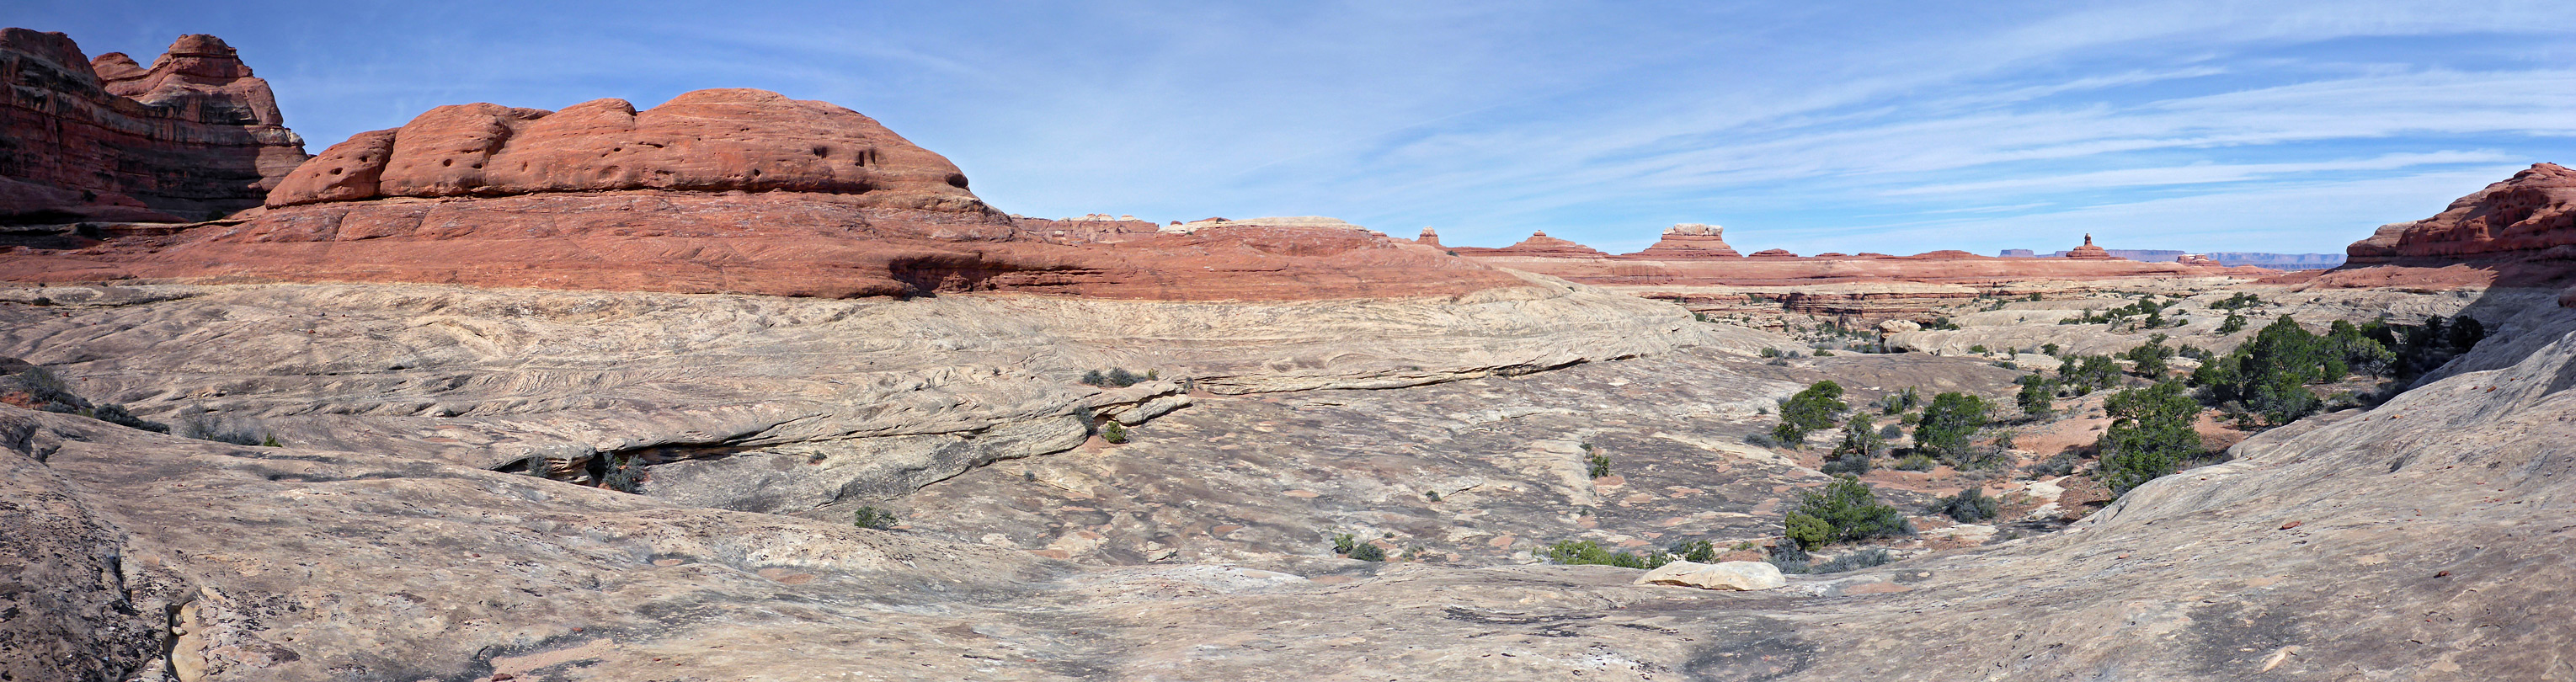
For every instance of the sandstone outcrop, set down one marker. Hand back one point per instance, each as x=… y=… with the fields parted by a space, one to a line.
x=2089 y=252
x=1690 y=240
x=192 y=137
x=1428 y=238
x=707 y=140
x=2523 y=216
x=727 y=191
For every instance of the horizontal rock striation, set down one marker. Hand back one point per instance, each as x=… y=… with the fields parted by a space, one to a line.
x=192 y=137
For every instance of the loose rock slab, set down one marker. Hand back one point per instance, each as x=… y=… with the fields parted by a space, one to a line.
x=1742 y=576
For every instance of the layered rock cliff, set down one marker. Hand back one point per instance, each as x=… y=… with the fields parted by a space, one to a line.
x=192 y=137
x=2530 y=213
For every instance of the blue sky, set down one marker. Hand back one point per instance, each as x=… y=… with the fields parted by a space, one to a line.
x=1895 y=127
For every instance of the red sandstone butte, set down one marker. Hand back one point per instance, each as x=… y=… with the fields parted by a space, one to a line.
x=2090 y=252
x=192 y=137
x=2518 y=232
x=725 y=191
x=2533 y=211
x=1690 y=240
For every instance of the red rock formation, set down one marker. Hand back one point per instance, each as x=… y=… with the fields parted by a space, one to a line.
x=710 y=140
x=1690 y=240
x=1428 y=238
x=1773 y=253
x=731 y=191
x=2090 y=252
x=194 y=136
x=2533 y=211
x=1539 y=245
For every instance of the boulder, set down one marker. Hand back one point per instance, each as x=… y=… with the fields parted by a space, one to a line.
x=1743 y=576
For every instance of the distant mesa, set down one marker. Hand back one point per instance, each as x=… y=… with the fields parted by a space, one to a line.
x=1773 y=253
x=194 y=136
x=1691 y=240
x=1944 y=254
x=1539 y=245
x=1428 y=238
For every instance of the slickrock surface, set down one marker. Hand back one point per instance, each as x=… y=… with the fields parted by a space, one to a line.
x=192 y=137
x=1477 y=472
x=2418 y=540
x=798 y=401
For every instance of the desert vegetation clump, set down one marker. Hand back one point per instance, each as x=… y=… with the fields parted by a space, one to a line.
x=2150 y=435
x=1113 y=433
x=1595 y=463
x=1843 y=510
x=1969 y=506
x=873 y=518
x=1118 y=378
x=2268 y=377
x=1585 y=552
x=1860 y=443
x=1809 y=411
x=2037 y=397
x=1948 y=424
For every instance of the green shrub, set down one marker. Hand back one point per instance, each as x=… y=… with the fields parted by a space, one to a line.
x=2150 y=435
x=2150 y=359
x=1598 y=465
x=2037 y=397
x=1572 y=553
x=1859 y=443
x=1843 y=510
x=1979 y=349
x=1915 y=463
x=1113 y=432
x=1368 y=552
x=1810 y=410
x=872 y=517
x=1948 y=424
x=2232 y=324
x=1770 y=352
x=1343 y=543
x=1969 y=506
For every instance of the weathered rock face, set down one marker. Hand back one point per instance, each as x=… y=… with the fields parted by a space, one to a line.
x=2522 y=216
x=727 y=191
x=194 y=136
x=707 y=140
x=1691 y=240
x=1739 y=576
x=1428 y=238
